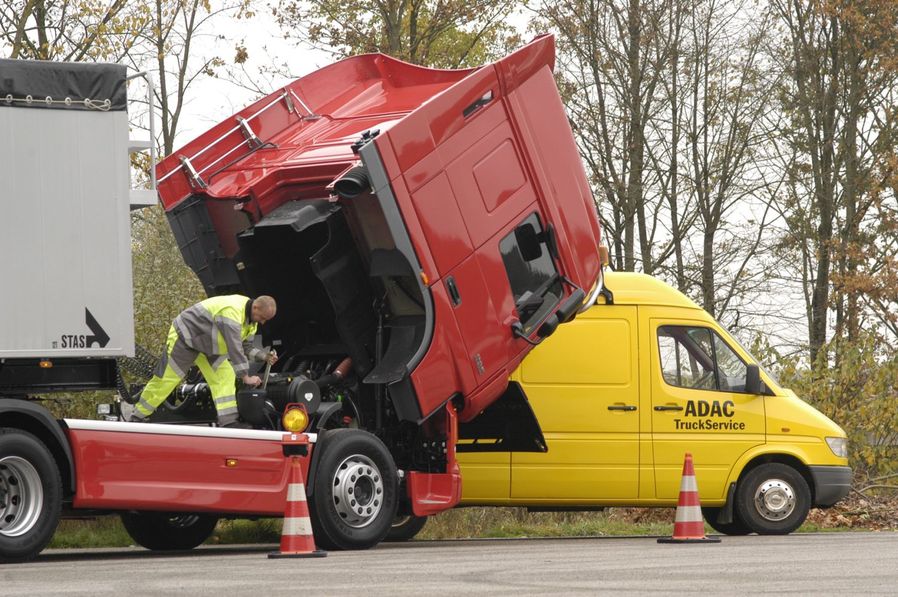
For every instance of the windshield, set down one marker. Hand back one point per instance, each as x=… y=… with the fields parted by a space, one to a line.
x=763 y=369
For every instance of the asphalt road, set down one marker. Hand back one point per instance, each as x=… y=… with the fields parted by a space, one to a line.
x=840 y=563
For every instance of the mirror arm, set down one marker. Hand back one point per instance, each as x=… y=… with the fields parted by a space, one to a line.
x=517 y=330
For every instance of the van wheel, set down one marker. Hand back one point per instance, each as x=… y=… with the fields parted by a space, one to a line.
x=354 y=500
x=30 y=495
x=164 y=531
x=405 y=527
x=773 y=499
x=737 y=527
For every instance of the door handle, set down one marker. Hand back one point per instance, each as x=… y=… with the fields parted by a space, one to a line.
x=453 y=291
x=668 y=407
x=626 y=407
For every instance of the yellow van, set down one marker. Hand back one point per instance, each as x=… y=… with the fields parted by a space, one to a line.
x=624 y=391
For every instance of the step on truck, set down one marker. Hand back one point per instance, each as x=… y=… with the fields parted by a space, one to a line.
x=420 y=229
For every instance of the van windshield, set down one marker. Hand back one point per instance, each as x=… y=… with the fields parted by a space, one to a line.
x=766 y=371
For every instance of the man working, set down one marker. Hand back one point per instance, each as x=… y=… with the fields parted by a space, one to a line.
x=216 y=335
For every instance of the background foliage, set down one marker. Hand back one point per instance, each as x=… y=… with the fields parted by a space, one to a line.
x=742 y=150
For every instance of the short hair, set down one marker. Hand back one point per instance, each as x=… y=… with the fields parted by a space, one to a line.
x=266 y=304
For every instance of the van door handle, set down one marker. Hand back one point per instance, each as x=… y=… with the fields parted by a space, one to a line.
x=626 y=407
x=668 y=407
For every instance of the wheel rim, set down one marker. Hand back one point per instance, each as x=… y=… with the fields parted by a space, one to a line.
x=182 y=521
x=398 y=521
x=775 y=500
x=21 y=496
x=358 y=491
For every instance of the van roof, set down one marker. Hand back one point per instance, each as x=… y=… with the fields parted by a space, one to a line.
x=639 y=289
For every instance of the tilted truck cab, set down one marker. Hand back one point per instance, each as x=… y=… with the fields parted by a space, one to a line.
x=624 y=391
x=430 y=226
x=421 y=231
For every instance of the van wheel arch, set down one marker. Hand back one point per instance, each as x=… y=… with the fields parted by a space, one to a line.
x=790 y=486
x=786 y=459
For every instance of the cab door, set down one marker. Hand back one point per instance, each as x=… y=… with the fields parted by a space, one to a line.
x=583 y=385
x=699 y=406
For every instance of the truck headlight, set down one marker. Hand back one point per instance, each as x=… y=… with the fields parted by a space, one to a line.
x=839 y=446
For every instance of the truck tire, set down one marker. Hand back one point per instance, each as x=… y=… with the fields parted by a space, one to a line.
x=773 y=499
x=405 y=527
x=166 y=531
x=30 y=495
x=735 y=528
x=355 y=490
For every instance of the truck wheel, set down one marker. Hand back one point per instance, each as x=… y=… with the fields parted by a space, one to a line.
x=773 y=499
x=164 y=531
x=30 y=495
x=737 y=527
x=355 y=497
x=405 y=527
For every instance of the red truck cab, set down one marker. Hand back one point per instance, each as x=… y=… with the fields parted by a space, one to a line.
x=445 y=213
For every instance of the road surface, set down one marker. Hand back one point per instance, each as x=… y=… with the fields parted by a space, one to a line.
x=836 y=563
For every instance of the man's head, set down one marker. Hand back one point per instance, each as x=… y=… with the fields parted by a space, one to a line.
x=263 y=309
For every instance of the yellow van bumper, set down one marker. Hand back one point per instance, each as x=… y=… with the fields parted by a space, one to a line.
x=831 y=484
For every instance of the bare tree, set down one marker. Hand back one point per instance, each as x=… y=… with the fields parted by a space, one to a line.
x=66 y=30
x=841 y=64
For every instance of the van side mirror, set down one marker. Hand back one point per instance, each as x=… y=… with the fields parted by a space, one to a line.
x=528 y=241
x=753 y=379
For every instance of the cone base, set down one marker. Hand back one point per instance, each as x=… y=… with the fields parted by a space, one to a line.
x=318 y=553
x=689 y=540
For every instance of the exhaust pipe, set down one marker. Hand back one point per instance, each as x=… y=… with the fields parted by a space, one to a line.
x=353 y=183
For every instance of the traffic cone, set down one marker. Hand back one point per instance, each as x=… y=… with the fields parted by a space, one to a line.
x=689 y=526
x=297 y=540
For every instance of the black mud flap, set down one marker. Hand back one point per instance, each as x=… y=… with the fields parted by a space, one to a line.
x=507 y=425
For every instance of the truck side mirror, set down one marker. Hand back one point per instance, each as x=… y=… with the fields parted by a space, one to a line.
x=548 y=327
x=570 y=306
x=753 y=379
x=528 y=242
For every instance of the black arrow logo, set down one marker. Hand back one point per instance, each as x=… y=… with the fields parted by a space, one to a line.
x=100 y=336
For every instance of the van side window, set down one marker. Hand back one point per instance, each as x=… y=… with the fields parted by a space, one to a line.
x=698 y=358
x=534 y=281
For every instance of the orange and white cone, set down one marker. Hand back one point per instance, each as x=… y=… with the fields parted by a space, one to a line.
x=297 y=540
x=689 y=526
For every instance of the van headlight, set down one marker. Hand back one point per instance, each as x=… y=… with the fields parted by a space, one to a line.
x=839 y=446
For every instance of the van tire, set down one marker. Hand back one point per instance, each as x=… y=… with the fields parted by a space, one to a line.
x=30 y=495
x=734 y=528
x=773 y=499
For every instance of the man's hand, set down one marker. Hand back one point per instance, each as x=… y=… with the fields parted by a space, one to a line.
x=251 y=381
x=272 y=357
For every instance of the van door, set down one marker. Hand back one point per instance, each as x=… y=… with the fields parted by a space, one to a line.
x=583 y=386
x=699 y=406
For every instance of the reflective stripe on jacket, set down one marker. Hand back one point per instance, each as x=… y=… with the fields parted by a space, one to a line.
x=219 y=326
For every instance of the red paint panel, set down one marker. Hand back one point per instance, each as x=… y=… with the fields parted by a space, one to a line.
x=498 y=175
x=445 y=368
x=443 y=224
x=507 y=194
x=484 y=336
x=117 y=470
x=561 y=180
x=415 y=229
x=432 y=493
